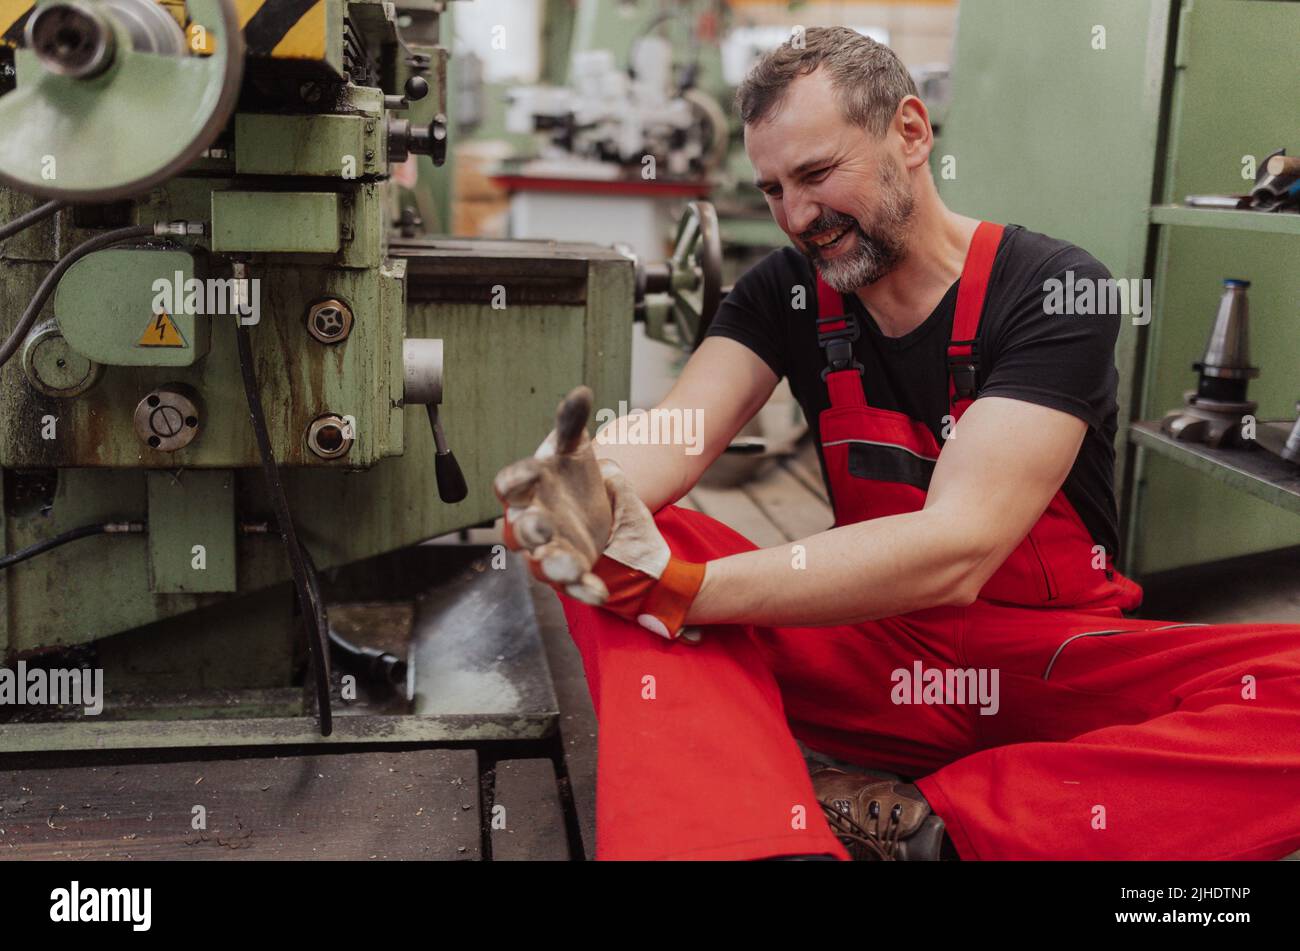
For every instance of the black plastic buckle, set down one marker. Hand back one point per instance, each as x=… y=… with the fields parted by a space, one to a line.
x=838 y=343
x=964 y=369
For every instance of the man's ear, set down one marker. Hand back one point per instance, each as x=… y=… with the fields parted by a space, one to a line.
x=912 y=123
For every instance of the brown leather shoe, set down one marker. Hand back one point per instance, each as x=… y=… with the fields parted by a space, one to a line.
x=879 y=820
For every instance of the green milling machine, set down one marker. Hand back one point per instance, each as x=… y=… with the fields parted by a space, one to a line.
x=232 y=387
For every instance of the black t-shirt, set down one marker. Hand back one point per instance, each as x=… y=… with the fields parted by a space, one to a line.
x=1061 y=361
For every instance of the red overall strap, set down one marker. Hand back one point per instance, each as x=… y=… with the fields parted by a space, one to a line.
x=845 y=386
x=963 y=362
x=829 y=303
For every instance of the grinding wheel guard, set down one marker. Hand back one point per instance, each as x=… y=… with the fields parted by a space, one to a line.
x=144 y=120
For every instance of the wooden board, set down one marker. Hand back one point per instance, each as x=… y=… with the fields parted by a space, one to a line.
x=578 y=726
x=527 y=820
x=419 y=804
x=789 y=505
x=737 y=510
x=807 y=469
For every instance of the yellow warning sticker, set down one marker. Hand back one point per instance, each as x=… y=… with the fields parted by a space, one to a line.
x=161 y=332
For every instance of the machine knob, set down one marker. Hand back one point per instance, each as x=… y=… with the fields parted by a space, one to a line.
x=417 y=87
x=405 y=139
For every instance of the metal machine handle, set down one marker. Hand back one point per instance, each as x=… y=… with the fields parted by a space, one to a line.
x=451 y=481
x=422 y=383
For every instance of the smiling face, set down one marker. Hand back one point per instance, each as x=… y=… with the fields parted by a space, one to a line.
x=840 y=193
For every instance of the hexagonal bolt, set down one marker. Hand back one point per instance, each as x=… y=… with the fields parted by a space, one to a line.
x=330 y=320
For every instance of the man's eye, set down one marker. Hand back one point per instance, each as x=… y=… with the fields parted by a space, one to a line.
x=817 y=176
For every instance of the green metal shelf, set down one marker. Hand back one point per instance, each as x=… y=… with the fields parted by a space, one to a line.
x=1255 y=471
x=1233 y=220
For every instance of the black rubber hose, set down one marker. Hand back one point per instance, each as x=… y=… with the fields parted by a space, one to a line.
x=97 y=243
x=370 y=662
x=27 y=219
x=304 y=580
x=85 y=531
x=322 y=623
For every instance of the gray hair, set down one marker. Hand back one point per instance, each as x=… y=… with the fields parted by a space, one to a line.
x=868 y=78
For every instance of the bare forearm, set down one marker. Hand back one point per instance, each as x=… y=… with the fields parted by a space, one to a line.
x=846 y=575
x=660 y=473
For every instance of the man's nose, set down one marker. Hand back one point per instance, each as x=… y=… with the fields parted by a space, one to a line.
x=800 y=213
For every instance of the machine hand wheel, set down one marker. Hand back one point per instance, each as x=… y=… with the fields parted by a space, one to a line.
x=695 y=272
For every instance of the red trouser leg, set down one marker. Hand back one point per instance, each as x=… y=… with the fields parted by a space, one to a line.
x=697 y=759
x=1172 y=744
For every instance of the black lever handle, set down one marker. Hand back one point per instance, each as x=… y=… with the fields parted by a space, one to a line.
x=451 y=481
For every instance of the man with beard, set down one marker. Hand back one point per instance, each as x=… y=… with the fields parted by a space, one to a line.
x=966 y=435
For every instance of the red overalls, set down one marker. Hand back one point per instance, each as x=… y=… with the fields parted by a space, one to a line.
x=879 y=461
x=1109 y=737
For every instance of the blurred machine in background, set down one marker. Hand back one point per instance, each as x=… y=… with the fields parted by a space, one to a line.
x=644 y=121
x=620 y=148
x=639 y=93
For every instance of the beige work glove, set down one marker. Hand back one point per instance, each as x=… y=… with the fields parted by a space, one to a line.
x=585 y=531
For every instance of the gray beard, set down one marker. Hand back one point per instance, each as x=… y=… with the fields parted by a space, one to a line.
x=867 y=263
x=871 y=259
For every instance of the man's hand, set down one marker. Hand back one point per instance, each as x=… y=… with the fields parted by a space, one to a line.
x=557 y=509
x=586 y=532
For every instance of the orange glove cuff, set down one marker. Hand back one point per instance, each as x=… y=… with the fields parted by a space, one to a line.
x=659 y=605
